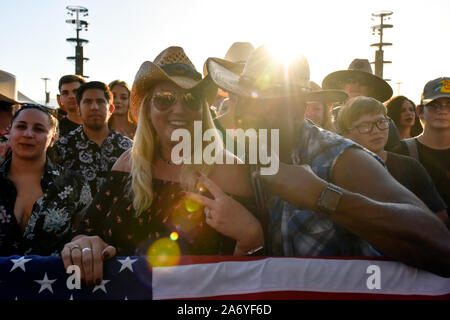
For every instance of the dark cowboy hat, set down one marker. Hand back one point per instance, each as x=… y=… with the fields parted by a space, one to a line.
x=325 y=96
x=171 y=65
x=262 y=77
x=359 y=68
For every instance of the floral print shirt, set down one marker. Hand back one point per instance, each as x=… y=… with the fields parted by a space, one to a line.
x=111 y=216
x=51 y=221
x=82 y=155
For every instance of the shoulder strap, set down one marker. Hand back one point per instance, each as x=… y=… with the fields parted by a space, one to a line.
x=412 y=148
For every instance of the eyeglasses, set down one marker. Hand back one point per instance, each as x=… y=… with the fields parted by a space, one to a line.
x=435 y=105
x=163 y=100
x=367 y=127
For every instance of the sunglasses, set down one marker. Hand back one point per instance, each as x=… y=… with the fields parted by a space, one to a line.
x=164 y=100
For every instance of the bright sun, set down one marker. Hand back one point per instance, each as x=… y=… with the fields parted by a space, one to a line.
x=285 y=52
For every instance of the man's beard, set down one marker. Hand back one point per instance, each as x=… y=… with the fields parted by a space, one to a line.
x=96 y=126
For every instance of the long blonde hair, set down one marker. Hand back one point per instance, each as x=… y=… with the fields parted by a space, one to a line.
x=143 y=153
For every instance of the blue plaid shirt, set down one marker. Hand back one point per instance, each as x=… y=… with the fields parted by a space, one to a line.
x=294 y=231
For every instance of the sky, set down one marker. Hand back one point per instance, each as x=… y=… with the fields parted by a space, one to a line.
x=124 y=34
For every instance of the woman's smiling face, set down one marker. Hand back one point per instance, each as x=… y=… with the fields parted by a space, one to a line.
x=31 y=134
x=171 y=108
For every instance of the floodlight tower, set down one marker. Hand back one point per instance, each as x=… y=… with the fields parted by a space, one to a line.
x=379 y=54
x=80 y=25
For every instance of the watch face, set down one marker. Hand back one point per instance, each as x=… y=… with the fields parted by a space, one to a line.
x=329 y=199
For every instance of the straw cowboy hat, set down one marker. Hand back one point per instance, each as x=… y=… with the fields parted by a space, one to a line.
x=382 y=91
x=262 y=77
x=171 y=65
x=8 y=89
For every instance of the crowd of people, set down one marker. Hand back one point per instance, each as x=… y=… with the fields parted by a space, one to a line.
x=361 y=173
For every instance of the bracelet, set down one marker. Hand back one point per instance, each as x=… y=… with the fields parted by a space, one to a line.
x=253 y=251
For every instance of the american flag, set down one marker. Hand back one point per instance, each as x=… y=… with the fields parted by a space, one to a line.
x=213 y=277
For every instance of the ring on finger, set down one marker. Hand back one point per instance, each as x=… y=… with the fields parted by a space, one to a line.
x=207 y=212
x=86 y=249
x=75 y=247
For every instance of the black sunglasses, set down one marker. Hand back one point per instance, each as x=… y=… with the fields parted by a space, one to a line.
x=164 y=100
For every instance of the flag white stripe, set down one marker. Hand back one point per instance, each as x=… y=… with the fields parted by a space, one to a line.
x=292 y=274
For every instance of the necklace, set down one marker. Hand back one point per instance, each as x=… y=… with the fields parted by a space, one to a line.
x=166 y=161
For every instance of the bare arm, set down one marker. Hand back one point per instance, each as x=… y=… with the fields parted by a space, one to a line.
x=375 y=207
x=386 y=214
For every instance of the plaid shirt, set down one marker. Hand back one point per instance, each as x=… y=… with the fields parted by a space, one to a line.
x=295 y=231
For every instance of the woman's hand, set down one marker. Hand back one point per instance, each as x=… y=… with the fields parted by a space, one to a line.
x=88 y=253
x=229 y=217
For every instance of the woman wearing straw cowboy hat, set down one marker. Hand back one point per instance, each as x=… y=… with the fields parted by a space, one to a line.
x=330 y=197
x=148 y=198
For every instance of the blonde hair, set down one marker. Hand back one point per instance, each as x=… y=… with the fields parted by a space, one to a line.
x=143 y=153
x=124 y=85
x=355 y=108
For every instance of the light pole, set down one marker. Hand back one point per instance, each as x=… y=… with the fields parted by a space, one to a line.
x=80 y=25
x=398 y=87
x=47 y=93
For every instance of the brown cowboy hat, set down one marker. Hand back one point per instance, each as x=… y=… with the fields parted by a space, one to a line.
x=359 y=68
x=262 y=77
x=325 y=96
x=171 y=65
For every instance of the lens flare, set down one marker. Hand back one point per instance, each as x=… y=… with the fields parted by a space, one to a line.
x=174 y=236
x=191 y=205
x=285 y=53
x=163 y=253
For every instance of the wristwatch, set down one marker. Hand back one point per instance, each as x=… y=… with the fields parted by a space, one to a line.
x=329 y=199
